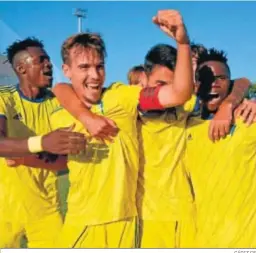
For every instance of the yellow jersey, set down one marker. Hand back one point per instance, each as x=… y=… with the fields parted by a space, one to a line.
x=103 y=180
x=223 y=177
x=164 y=192
x=33 y=188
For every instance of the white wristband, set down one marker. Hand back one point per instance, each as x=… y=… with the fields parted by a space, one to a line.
x=35 y=144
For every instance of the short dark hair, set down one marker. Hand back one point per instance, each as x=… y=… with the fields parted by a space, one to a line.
x=161 y=54
x=197 y=48
x=212 y=54
x=133 y=74
x=85 y=40
x=21 y=45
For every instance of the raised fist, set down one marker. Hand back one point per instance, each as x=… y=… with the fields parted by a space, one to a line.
x=170 y=22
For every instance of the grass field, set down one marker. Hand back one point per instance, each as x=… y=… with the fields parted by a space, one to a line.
x=63 y=186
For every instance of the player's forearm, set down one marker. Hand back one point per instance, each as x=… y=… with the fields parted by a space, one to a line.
x=182 y=87
x=35 y=162
x=10 y=147
x=183 y=75
x=13 y=147
x=65 y=94
x=239 y=91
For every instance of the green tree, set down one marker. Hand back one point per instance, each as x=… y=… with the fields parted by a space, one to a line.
x=252 y=91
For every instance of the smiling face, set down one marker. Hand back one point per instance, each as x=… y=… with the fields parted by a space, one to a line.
x=35 y=67
x=214 y=83
x=86 y=70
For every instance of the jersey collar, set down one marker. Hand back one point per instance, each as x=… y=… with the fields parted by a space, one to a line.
x=34 y=100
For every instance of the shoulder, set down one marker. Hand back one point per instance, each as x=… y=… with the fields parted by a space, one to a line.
x=7 y=91
x=8 y=95
x=122 y=94
x=116 y=85
x=122 y=88
x=49 y=96
x=52 y=101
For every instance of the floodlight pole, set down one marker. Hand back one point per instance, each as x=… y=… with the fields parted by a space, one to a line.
x=79 y=24
x=80 y=14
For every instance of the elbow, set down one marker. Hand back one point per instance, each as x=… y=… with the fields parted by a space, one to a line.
x=169 y=96
x=179 y=100
x=183 y=97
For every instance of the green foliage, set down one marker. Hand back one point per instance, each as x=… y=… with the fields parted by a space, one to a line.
x=252 y=91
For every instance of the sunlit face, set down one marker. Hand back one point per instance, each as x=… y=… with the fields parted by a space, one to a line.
x=160 y=75
x=86 y=70
x=37 y=67
x=214 y=82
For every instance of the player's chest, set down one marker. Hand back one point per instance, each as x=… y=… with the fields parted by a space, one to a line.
x=168 y=124
x=203 y=151
x=111 y=109
x=26 y=119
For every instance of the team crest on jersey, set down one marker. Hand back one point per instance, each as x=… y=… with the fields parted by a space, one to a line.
x=17 y=116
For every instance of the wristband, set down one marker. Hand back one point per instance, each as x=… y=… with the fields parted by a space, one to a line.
x=35 y=144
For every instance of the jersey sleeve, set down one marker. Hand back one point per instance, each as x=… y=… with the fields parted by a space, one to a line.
x=192 y=104
x=3 y=108
x=128 y=97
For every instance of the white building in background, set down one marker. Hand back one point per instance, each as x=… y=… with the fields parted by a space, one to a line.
x=7 y=75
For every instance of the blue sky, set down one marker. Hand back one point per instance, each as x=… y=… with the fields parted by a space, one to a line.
x=129 y=32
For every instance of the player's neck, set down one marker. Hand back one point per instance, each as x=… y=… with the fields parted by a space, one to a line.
x=88 y=103
x=31 y=92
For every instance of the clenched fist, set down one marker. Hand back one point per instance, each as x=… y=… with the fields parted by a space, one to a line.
x=170 y=22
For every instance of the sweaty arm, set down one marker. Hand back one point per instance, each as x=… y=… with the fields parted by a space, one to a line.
x=238 y=93
x=61 y=141
x=59 y=163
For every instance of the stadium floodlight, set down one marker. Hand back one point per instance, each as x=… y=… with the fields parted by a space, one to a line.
x=80 y=14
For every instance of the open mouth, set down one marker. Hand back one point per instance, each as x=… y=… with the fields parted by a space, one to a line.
x=93 y=86
x=213 y=97
x=48 y=74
